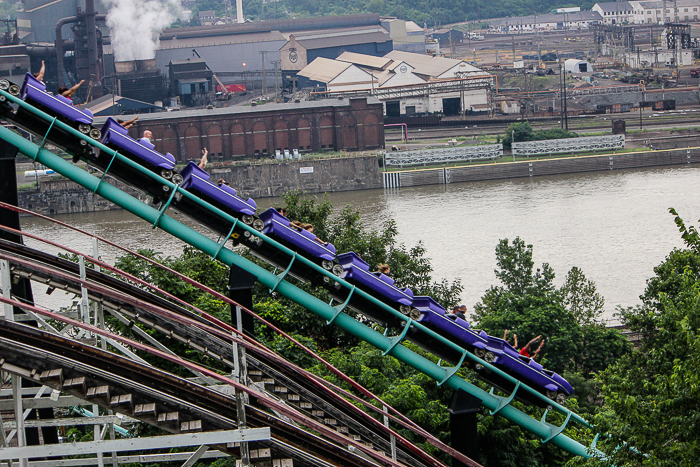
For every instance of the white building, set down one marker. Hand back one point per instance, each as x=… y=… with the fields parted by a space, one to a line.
x=573 y=65
x=615 y=12
x=406 y=35
x=550 y=21
x=648 y=12
x=664 y=58
x=394 y=72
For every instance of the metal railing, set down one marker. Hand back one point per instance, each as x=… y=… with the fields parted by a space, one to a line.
x=443 y=155
x=558 y=146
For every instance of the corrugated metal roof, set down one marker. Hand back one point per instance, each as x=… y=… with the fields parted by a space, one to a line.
x=428 y=65
x=369 y=61
x=615 y=6
x=413 y=27
x=339 y=41
x=190 y=42
x=318 y=34
x=107 y=101
x=245 y=109
x=324 y=70
x=187 y=60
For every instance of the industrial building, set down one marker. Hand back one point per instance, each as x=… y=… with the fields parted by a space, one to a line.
x=244 y=132
x=549 y=21
x=243 y=53
x=574 y=65
x=648 y=12
x=407 y=83
x=405 y=35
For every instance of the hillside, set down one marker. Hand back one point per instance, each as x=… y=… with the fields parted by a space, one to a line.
x=424 y=12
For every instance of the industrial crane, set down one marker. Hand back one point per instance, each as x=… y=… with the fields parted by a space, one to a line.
x=227 y=94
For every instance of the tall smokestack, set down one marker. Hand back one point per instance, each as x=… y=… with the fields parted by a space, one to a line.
x=239 y=11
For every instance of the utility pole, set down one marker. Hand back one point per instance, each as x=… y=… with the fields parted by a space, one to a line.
x=263 y=84
x=561 y=96
x=513 y=40
x=277 y=84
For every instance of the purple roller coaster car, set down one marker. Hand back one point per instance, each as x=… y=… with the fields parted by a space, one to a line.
x=35 y=91
x=492 y=349
x=116 y=136
x=434 y=316
x=279 y=226
x=197 y=181
x=357 y=271
x=501 y=353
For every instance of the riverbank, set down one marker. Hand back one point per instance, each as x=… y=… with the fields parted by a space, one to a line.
x=533 y=167
x=357 y=173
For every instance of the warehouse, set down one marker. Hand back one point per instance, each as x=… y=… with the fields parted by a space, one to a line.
x=407 y=83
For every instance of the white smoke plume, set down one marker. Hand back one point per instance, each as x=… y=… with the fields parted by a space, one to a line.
x=136 y=24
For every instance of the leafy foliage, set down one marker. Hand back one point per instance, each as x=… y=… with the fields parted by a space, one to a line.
x=530 y=305
x=430 y=13
x=523 y=131
x=652 y=394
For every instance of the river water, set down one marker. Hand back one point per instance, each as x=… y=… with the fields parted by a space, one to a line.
x=615 y=225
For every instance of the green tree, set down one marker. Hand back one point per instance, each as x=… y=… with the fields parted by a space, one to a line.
x=528 y=304
x=652 y=395
x=521 y=131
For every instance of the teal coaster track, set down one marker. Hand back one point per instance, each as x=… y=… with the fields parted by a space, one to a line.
x=334 y=315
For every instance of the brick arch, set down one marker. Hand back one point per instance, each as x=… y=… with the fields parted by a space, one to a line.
x=169 y=142
x=260 y=137
x=304 y=134
x=349 y=132
x=371 y=126
x=281 y=135
x=325 y=125
x=193 y=144
x=215 y=141
x=237 y=140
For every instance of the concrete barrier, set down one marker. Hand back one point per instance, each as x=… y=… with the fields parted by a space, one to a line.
x=534 y=167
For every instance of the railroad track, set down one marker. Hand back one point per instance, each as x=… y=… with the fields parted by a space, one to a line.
x=575 y=124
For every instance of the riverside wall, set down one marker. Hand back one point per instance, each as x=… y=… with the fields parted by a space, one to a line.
x=536 y=167
x=354 y=173
x=255 y=181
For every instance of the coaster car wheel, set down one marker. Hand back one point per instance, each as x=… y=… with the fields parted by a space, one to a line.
x=414 y=314
x=480 y=353
x=560 y=399
x=551 y=394
x=166 y=174
x=84 y=128
x=177 y=179
x=490 y=357
x=95 y=134
x=327 y=265
x=247 y=219
x=405 y=309
x=258 y=225
x=4 y=84
x=338 y=270
x=14 y=90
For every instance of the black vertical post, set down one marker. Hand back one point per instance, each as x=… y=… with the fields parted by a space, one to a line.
x=464 y=436
x=240 y=286
x=23 y=288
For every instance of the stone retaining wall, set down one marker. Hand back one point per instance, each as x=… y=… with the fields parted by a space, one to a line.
x=255 y=181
